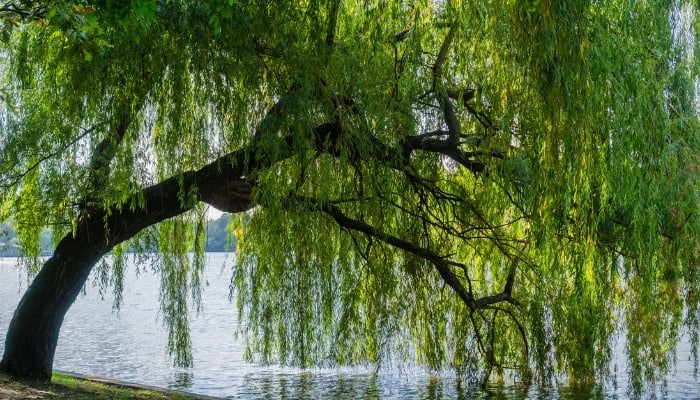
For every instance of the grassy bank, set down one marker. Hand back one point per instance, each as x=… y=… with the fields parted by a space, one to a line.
x=68 y=387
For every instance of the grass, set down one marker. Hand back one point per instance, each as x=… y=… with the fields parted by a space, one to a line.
x=68 y=387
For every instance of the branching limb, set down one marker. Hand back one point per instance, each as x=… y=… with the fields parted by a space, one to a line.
x=441 y=264
x=398 y=157
x=519 y=326
x=34 y=13
x=463 y=97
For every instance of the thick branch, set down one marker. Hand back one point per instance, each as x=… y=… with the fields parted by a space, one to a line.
x=462 y=96
x=227 y=184
x=448 y=111
x=442 y=55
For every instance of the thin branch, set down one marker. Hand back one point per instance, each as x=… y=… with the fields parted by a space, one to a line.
x=477 y=335
x=15 y=179
x=520 y=327
x=493 y=362
x=398 y=157
x=344 y=221
x=37 y=12
x=442 y=266
x=270 y=122
x=102 y=157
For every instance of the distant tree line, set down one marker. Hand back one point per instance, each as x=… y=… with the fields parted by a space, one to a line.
x=218 y=239
x=10 y=245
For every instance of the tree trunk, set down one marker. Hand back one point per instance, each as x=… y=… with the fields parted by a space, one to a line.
x=33 y=333
x=32 y=336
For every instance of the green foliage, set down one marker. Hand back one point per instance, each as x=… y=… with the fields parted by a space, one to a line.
x=540 y=151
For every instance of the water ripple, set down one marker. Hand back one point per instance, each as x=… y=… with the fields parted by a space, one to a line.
x=131 y=346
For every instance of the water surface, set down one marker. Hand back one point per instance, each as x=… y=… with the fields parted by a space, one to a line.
x=131 y=346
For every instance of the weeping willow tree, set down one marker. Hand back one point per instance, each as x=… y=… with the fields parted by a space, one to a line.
x=494 y=187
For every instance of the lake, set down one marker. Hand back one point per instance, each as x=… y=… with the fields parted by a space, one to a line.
x=131 y=346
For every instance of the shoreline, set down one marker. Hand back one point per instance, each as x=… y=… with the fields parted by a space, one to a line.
x=133 y=385
x=79 y=386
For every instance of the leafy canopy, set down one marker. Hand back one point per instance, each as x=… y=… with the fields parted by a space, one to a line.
x=486 y=186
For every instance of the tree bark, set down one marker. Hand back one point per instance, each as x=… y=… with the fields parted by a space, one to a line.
x=33 y=333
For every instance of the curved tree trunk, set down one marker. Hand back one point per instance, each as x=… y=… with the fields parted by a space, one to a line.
x=32 y=336
x=33 y=332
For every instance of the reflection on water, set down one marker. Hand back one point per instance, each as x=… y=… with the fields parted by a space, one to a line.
x=182 y=380
x=131 y=346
